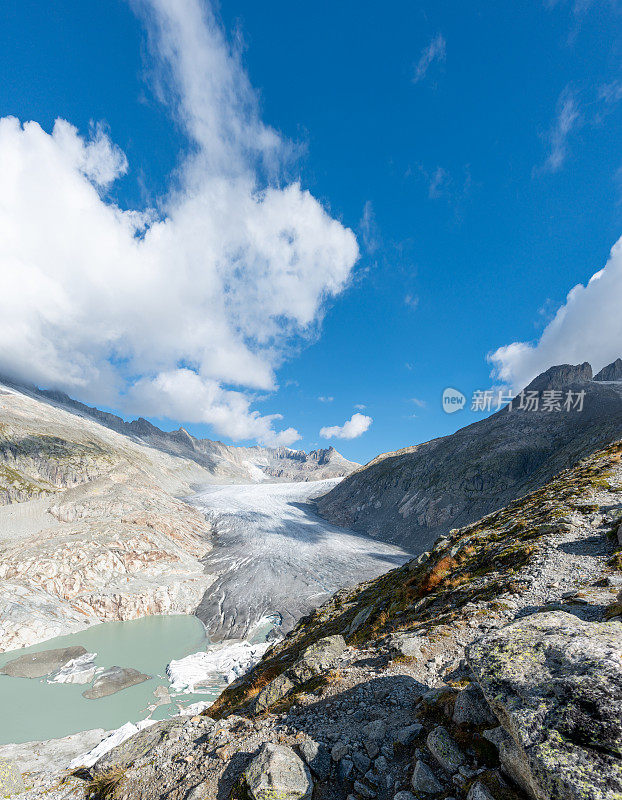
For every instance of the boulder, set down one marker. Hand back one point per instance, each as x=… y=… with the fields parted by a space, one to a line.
x=317 y=757
x=114 y=680
x=554 y=682
x=277 y=772
x=404 y=644
x=318 y=658
x=479 y=792
x=424 y=780
x=471 y=707
x=37 y=665
x=407 y=735
x=276 y=690
x=445 y=750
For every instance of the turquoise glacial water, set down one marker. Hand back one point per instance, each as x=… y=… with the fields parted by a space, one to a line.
x=33 y=710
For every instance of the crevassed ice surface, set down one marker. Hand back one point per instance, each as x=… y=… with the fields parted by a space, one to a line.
x=273 y=555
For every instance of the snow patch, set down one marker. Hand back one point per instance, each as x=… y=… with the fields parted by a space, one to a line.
x=79 y=670
x=111 y=741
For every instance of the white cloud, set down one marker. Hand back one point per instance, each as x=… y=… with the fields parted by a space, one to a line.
x=368 y=228
x=567 y=117
x=588 y=327
x=163 y=314
x=324 y=399
x=411 y=300
x=435 y=51
x=360 y=406
x=354 y=427
x=419 y=403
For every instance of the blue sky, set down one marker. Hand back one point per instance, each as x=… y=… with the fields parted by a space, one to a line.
x=473 y=149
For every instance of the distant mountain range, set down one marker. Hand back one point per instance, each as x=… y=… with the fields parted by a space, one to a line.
x=410 y=496
x=225 y=463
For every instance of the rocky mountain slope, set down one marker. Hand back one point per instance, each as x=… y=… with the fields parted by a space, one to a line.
x=411 y=496
x=489 y=668
x=225 y=463
x=92 y=527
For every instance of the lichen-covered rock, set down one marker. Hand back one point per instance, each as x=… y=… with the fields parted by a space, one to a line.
x=407 y=645
x=445 y=750
x=318 y=658
x=277 y=772
x=555 y=683
x=276 y=690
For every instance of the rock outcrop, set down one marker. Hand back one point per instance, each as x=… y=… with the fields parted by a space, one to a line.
x=555 y=683
x=411 y=496
x=277 y=772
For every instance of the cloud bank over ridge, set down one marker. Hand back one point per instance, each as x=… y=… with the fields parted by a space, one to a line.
x=185 y=312
x=588 y=327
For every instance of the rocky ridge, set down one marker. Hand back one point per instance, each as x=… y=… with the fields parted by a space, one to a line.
x=488 y=668
x=225 y=463
x=411 y=496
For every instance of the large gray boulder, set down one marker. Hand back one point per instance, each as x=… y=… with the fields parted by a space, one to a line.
x=277 y=772
x=114 y=680
x=555 y=683
x=276 y=690
x=318 y=658
x=37 y=665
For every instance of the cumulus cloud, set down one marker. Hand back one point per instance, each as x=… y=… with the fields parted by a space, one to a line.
x=435 y=51
x=183 y=312
x=567 y=117
x=588 y=327
x=354 y=427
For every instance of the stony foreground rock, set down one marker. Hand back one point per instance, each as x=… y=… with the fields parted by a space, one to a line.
x=555 y=683
x=277 y=773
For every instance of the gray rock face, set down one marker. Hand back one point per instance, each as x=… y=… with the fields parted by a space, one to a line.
x=37 y=665
x=277 y=772
x=555 y=682
x=424 y=780
x=445 y=750
x=276 y=690
x=612 y=372
x=471 y=708
x=318 y=658
x=114 y=680
x=410 y=496
x=407 y=735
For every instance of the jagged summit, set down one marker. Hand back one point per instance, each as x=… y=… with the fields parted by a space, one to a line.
x=224 y=462
x=612 y=372
x=411 y=496
x=561 y=376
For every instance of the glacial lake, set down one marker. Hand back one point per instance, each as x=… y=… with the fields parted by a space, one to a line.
x=34 y=710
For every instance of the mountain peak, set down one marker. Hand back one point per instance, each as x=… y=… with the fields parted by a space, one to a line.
x=612 y=372
x=561 y=376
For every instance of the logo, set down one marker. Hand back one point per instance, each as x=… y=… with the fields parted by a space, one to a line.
x=453 y=400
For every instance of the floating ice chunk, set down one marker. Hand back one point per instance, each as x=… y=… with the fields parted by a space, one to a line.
x=220 y=662
x=78 y=670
